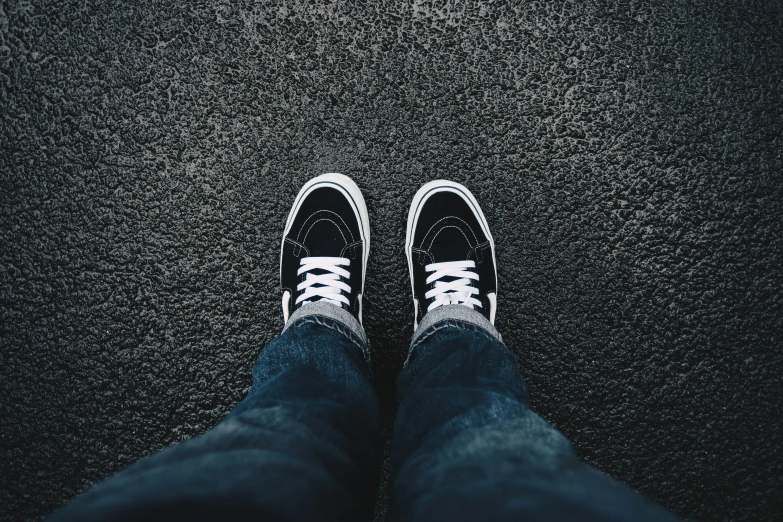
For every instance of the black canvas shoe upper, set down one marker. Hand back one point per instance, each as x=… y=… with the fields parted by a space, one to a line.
x=446 y=224
x=327 y=221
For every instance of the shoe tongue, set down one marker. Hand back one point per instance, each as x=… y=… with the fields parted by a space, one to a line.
x=316 y=299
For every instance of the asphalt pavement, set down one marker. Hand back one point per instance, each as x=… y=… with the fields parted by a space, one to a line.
x=627 y=155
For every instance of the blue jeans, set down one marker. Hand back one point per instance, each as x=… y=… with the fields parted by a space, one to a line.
x=305 y=443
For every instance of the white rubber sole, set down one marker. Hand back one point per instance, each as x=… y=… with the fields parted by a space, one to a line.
x=433 y=187
x=352 y=193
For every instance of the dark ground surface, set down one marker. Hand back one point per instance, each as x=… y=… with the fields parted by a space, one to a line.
x=627 y=155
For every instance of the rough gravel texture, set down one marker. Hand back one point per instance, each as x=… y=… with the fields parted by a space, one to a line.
x=627 y=155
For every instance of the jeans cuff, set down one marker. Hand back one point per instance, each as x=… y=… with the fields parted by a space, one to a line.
x=333 y=312
x=451 y=313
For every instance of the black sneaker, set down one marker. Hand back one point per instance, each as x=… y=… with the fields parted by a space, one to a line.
x=325 y=246
x=451 y=254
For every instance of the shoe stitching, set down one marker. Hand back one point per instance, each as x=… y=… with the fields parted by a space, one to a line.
x=475 y=239
x=478 y=249
x=325 y=219
x=352 y=245
x=421 y=253
x=335 y=224
x=297 y=247
x=444 y=228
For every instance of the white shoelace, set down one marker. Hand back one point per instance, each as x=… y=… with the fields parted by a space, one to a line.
x=326 y=286
x=457 y=291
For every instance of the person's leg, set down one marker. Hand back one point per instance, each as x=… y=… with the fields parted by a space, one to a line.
x=468 y=447
x=303 y=445
x=466 y=444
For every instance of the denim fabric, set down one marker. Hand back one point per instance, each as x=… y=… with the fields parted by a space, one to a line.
x=340 y=315
x=305 y=443
x=454 y=312
x=468 y=447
